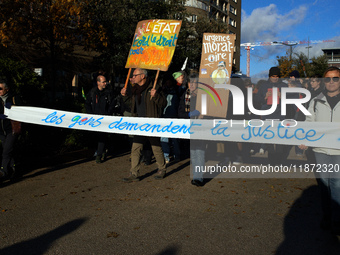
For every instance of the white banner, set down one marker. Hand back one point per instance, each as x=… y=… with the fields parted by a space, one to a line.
x=176 y=128
x=316 y=134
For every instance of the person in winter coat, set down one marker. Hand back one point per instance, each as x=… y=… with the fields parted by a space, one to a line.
x=187 y=109
x=100 y=100
x=326 y=108
x=181 y=78
x=315 y=86
x=145 y=102
x=8 y=135
x=277 y=153
x=170 y=111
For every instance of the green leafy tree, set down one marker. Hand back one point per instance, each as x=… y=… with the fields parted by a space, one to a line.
x=285 y=64
x=23 y=80
x=119 y=19
x=56 y=32
x=300 y=62
x=50 y=31
x=318 y=65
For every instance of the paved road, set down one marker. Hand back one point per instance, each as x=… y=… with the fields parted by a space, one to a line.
x=74 y=206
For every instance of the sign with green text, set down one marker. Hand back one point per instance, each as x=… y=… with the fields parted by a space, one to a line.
x=154 y=44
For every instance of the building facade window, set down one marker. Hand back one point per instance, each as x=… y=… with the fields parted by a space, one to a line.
x=194 y=18
x=233 y=10
x=197 y=4
x=232 y=22
x=226 y=11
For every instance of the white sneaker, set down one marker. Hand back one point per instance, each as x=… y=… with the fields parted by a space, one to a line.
x=238 y=161
x=261 y=151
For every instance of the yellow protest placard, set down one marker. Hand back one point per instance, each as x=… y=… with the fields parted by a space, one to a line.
x=154 y=44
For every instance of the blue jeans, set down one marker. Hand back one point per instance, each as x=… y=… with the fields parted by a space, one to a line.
x=329 y=183
x=298 y=151
x=197 y=155
x=166 y=142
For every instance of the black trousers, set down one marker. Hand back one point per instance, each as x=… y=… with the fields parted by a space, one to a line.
x=102 y=139
x=7 y=142
x=278 y=153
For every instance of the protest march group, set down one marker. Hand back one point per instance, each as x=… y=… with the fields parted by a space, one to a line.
x=166 y=118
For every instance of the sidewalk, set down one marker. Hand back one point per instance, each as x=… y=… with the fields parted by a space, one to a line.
x=80 y=207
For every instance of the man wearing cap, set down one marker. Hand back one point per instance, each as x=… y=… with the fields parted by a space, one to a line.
x=264 y=97
x=182 y=81
x=294 y=76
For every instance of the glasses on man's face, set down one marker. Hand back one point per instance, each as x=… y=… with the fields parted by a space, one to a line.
x=334 y=79
x=1 y=88
x=133 y=76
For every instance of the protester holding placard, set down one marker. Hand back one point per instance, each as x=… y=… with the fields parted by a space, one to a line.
x=146 y=101
x=326 y=108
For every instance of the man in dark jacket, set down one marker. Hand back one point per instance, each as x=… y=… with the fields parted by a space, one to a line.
x=276 y=153
x=100 y=101
x=8 y=136
x=264 y=95
x=145 y=102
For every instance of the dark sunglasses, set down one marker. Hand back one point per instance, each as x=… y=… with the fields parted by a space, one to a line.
x=1 y=88
x=328 y=79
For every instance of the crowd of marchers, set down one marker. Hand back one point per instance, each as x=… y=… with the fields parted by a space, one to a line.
x=175 y=97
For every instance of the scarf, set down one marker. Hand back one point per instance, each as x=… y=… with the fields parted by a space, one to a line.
x=138 y=90
x=187 y=100
x=4 y=98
